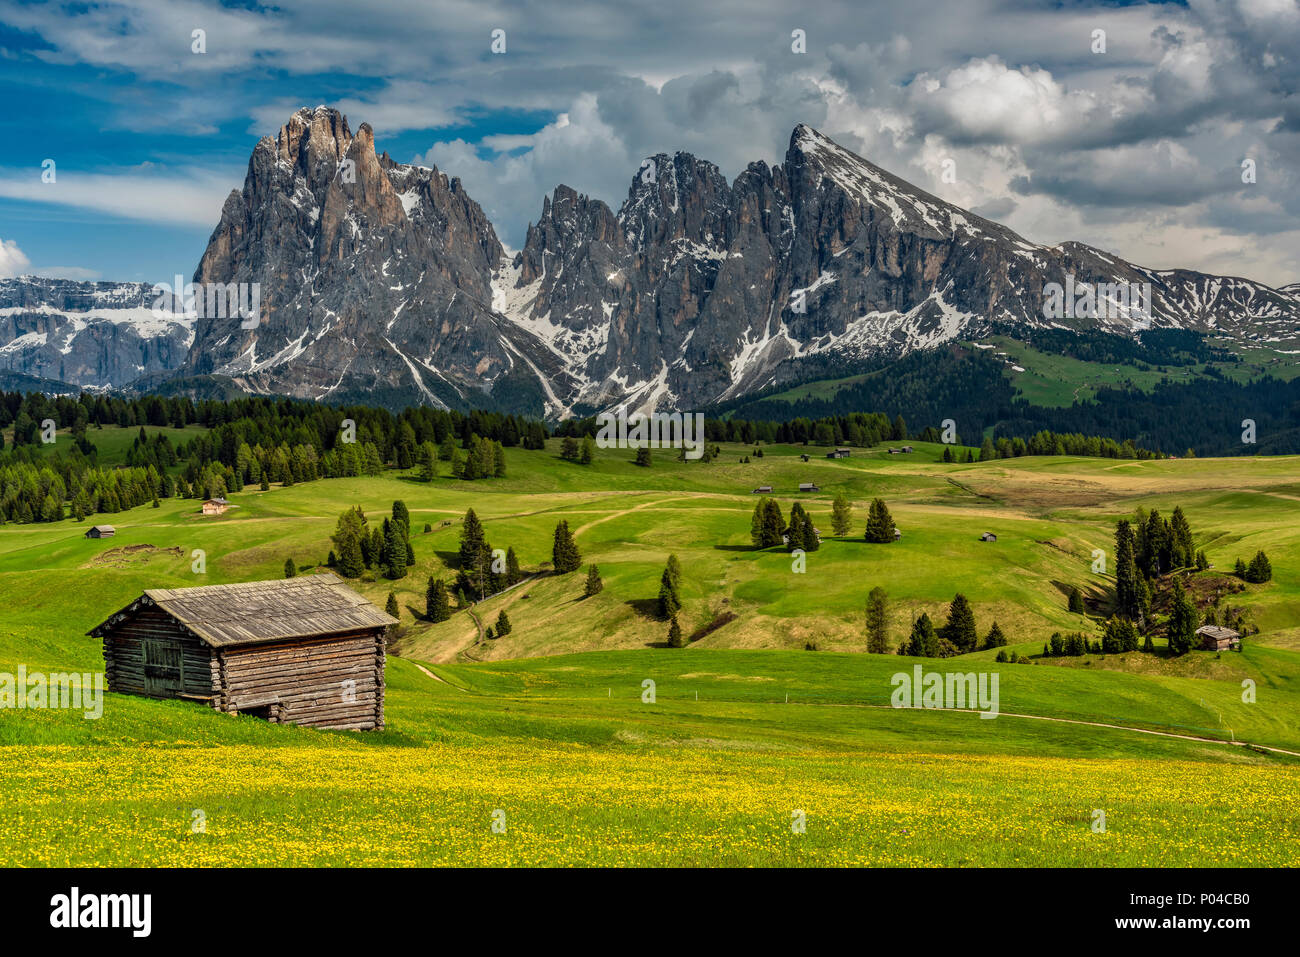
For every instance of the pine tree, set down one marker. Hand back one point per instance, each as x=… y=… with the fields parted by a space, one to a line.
x=669 y=601
x=960 y=627
x=437 y=606
x=643 y=456
x=290 y=569
x=675 y=637
x=475 y=557
x=503 y=624
x=1181 y=629
x=841 y=515
x=1076 y=601
x=880 y=524
x=391 y=606
x=878 y=622
x=923 y=641
x=588 y=450
x=351 y=563
x=995 y=638
x=986 y=450
x=514 y=575
x=393 y=557
x=565 y=556
x=1127 y=597
x=1240 y=569
x=1260 y=569
x=569 y=449
x=594 y=584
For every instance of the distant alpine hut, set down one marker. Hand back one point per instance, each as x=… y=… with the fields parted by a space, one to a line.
x=839 y=453
x=906 y=448
x=306 y=650
x=215 y=506
x=101 y=531
x=762 y=490
x=988 y=537
x=808 y=487
x=1216 y=638
x=894 y=451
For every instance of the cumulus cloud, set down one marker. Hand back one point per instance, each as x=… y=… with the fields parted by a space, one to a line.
x=1044 y=132
x=13 y=261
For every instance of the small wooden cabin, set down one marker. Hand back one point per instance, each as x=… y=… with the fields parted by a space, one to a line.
x=101 y=531
x=839 y=454
x=215 y=506
x=988 y=537
x=808 y=487
x=762 y=490
x=306 y=650
x=1216 y=638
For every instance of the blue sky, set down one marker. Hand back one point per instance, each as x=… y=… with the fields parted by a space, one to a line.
x=1136 y=148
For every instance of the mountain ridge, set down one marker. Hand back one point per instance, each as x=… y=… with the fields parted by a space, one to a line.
x=388 y=280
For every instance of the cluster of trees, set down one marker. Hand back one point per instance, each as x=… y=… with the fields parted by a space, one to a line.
x=1045 y=442
x=801 y=534
x=250 y=441
x=1146 y=549
x=767 y=526
x=384 y=548
x=482 y=570
x=571 y=450
x=1257 y=572
x=957 y=636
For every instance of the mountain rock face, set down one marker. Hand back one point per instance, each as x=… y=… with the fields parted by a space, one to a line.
x=385 y=283
x=696 y=291
x=91 y=334
x=374 y=279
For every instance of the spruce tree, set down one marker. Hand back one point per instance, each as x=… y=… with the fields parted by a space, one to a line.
x=475 y=557
x=391 y=606
x=877 y=621
x=1076 y=601
x=1181 y=628
x=960 y=627
x=503 y=624
x=924 y=640
x=565 y=556
x=773 y=522
x=841 y=515
x=675 y=637
x=880 y=524
x=437 y=606
x=594 y=584
x=1127 y=597
x=514 y=575
x=290 y=569
x=995 y=637
x=669 y=601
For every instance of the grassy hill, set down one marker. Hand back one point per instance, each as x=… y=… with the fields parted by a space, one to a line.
x=548 y=724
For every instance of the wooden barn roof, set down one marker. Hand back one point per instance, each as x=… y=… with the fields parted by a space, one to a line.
x=254 y=612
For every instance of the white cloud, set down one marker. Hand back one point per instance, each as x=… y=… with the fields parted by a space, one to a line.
x=182 y=197
x=13 y=261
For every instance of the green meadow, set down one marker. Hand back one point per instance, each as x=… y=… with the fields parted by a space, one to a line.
x=773 y=709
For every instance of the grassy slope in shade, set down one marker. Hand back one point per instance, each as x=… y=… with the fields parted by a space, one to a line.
x=713 y=770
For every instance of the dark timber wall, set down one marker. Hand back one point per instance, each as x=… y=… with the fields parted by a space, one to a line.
x=334 y=682
x=151 y=654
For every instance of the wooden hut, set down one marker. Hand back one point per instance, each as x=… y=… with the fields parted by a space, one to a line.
x=808 y=487
x=1217 y=638
x=762 y=490
x=101 y=531
x=988 y=537
x=306 y=650
x=215 y=506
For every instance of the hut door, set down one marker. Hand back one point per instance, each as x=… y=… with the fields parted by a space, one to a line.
x=162 y=667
